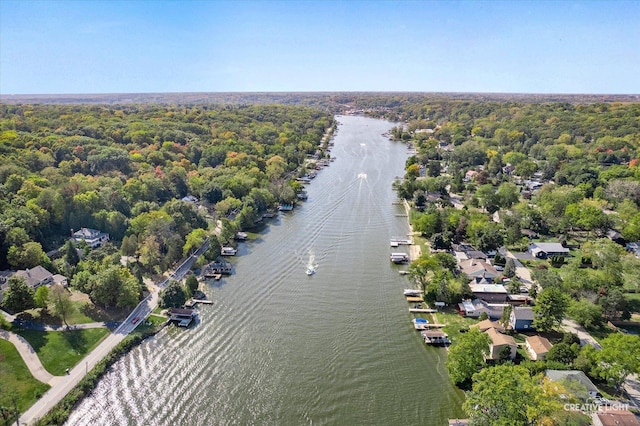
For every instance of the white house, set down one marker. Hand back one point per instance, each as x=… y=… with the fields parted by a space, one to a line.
x=92 y=237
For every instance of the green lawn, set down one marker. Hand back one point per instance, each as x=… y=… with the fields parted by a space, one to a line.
x=16 y=380
x=84 y=312
x=59 y=350
x=454 y=321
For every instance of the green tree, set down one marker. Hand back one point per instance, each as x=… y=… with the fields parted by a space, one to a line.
x=114 y=286
x=506 y=395
x=563 y=352
x=466 y=356
x=619 y=357
x=422 y=269
x=586 y=313
x=550 y=308
x=18 y=296
x=510 y=268
x=191 y=284
x=194 y=240
x=61 y=302
x=71 y=253
x=173 y=296
x=29 y=255
x=41 y=296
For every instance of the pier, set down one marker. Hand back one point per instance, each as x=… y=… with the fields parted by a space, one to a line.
x=422 y=311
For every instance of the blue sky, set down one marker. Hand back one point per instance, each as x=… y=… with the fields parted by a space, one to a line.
x=119 y=46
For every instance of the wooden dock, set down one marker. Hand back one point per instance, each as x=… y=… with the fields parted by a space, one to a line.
x=422 y=311
x=193 y=302
x=423 y=326
x=414 y=299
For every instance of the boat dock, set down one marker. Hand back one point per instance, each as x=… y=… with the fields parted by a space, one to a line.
x=414 y=299
x=193 y=302
x=422 y=311
x=435 y=337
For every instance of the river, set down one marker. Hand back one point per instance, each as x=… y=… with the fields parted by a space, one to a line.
x=279 y=347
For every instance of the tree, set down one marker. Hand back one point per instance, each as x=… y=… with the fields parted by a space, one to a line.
x=506 y=395
x=619 y=357
x=173 y=296
x=61 y=302
x=114 y=286
x=41 y=296
x=466 y=357
x=191 y=284
x=422 y=269
x=510 y=268
x=508 y=194
x=549 y=310
x=563 y=352
x=194 y=240
x=586 y=313
x=71 y=253
x=27 y=256
x=18 y=296
x=506 y=315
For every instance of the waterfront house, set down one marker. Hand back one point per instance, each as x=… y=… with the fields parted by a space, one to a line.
x=35 y=277
x=521 y=318
x=475 y=308
x=537 y=347
x=478 y=268
x=492 y=293
x=92 y=237
x=574 y=375
x=498 y=344
x=487 y=324
x=546 y=250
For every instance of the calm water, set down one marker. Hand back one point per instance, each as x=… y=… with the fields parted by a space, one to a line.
x=279 y=347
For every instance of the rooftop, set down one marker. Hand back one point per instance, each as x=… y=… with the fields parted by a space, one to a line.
x=539 y=344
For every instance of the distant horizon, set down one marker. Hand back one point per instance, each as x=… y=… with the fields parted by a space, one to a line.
x=64 y=47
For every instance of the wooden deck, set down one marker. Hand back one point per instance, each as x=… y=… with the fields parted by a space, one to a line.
x=414 y=299
x=423 y=311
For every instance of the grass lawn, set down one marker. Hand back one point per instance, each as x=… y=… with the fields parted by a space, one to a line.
x=59 y=350
x=16 y=380
x=84 y=312
x=454 y=321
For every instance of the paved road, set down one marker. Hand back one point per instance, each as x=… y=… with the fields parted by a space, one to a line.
x=64 y=384
x=522 y=272
x=571 y=326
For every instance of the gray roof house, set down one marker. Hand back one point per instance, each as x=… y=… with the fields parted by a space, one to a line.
x=575 y=375
x=545 y=250
x=35 y=277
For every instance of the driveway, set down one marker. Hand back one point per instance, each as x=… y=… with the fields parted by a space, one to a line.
x=522 y=272
x=570 y=326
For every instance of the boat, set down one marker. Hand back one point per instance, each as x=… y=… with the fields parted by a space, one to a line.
x=311 y=270
x=420 y=323
x=285 y=207
x=412 y=292
x=241 y=236
x=303 y=195
x=228 y=251
x=399 y=258
x=403 y=272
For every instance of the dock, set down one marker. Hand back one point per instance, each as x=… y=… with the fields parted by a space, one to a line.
x=423 y=326
x=193 y=302
x=422 y=311
x=414 y=299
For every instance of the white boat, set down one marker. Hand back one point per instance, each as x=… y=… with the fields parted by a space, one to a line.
x=228 y=251
x=412 y=292
x=399 y=257
x=311 y=270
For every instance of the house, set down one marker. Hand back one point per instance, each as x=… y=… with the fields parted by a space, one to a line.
x=574 y=375
x=614 y=416
x=60 y=280
x=545 y=250
x=634 y=248
x=35 y=277
x=478 y=268
x=182 y=316
x=92 y=237
x=487 y=324
x=521 y=318
x=616 y=237
x=492 y=293
x=470 y=175
x=497 y=344
x=537 y=347
x=189 y=199
x=467 y=251
x=473 y=309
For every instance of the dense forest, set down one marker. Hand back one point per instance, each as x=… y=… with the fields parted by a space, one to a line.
x=124 y=170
